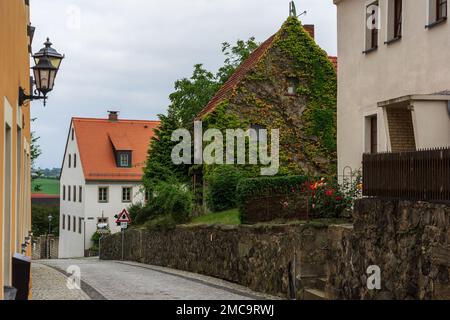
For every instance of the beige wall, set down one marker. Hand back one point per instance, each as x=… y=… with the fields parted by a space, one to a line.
x=432 y=124
x=417 y=64
x=15 y=214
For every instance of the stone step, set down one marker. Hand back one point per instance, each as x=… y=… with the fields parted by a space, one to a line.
x=321 y=283
x=313 y=294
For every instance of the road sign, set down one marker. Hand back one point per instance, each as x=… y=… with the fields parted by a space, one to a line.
x=123 y=225
x=123 y=217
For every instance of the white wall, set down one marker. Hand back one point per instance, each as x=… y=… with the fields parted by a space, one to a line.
x=71 y=242
x=417 y=64
x=113 y=207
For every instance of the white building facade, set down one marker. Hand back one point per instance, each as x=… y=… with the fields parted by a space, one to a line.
x=97 y=180
x=393 y=77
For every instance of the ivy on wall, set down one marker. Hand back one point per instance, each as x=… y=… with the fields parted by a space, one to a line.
x=306 y=119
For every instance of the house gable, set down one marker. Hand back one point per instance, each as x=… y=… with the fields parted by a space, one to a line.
x=305 y=116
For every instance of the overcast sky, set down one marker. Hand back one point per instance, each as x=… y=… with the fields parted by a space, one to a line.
x=126 y=55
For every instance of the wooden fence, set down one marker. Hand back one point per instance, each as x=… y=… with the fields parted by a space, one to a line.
x=421 y=175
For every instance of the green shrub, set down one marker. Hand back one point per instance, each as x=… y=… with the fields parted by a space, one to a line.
x=40 y=215
x=96 y=239
x=134 y=210
x=172 y=199
x=160 y=223
x=222 y=182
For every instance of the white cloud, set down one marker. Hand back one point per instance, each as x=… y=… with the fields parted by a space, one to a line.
x=126 y=55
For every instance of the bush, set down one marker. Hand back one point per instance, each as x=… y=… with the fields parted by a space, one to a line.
x=167 y=200
x=249 y=190
x=222 y=184
x=96 y=239
x=160 y=223
x=174 y=200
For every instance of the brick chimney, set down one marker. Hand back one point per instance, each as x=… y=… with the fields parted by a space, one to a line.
x=310 y=29
x=113 y=116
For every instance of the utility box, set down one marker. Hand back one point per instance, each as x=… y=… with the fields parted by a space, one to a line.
x=21 y=270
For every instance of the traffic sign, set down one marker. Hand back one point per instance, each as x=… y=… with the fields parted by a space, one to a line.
x=123 y=217
x=123 y=225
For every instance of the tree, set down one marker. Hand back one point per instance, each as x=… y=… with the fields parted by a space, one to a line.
x=35 y=152
x=191 y=95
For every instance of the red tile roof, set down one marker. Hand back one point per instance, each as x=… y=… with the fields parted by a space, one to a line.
x=96 y=141
x=243 y=69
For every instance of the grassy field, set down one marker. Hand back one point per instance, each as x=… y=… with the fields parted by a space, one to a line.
x=229 y=217
x=48 y=186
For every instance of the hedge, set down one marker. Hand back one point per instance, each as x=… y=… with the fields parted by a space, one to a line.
x=252 y=189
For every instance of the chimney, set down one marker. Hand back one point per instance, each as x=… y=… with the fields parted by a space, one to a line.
x=113 y=116
x=310 y=29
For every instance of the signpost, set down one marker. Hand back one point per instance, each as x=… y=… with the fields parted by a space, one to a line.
x=123 y=220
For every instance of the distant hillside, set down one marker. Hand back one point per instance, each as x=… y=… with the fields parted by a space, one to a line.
x=47 y=186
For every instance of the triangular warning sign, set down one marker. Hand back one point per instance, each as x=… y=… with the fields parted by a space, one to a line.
x=124 y=217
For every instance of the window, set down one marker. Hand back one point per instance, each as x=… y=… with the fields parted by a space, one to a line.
x=293 y=84
x=103 y=194
x=437 y=12
x=80 y=222
x=64 y=222
x=73 y=134
x=64 y=193
x=69 y=193
x=74 y=160
x=441 y=10
x=126 y=194
x=74 y=224
x=395 y=20
x=372 y=134
x=372 y=27
x=74 y=194
x=146 y=196
x=70 y=160
x=68 y=223
x=80 y=194
x=124 y=159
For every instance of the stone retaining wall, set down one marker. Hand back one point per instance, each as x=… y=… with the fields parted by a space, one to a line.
x=410 y=242
x=263 y=258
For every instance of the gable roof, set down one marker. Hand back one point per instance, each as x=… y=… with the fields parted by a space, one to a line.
x=98 y=138
x=253 y=59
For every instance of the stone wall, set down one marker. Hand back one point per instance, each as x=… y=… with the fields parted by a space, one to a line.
x=410 y=242
x=42 y=244
x=263 y=258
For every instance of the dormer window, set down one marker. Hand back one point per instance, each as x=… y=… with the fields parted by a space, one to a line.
x=124 y=159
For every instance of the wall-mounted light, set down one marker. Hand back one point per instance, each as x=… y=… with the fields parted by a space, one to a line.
x=47 y=61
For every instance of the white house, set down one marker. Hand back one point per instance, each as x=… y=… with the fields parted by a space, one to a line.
x=101 y=175
x=393 y=77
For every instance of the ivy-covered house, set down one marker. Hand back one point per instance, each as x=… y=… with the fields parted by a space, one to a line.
x=288 y=83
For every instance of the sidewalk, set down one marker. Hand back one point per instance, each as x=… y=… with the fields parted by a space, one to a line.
x=49 y=284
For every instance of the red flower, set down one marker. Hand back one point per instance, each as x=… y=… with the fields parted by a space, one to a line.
x=329 y=192
x=339 y=198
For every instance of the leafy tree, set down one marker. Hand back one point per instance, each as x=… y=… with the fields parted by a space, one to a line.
x=35 y=152
x=191 y=95
x=40 y=220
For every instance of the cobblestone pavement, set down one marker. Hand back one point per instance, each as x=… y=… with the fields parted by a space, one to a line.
x=116 y=280
x=50 y=284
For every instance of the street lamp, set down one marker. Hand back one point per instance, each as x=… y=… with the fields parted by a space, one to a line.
x=47 y=61
x=50 y=218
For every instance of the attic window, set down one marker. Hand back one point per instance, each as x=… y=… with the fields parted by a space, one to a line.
x=124 y=159
x=293 y=84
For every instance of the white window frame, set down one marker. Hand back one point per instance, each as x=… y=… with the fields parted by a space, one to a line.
x=102 y=199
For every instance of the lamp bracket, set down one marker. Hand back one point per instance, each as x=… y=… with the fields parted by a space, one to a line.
x=23 y=97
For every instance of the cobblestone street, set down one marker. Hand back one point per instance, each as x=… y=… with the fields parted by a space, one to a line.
x=114 y=280
x=50 y=284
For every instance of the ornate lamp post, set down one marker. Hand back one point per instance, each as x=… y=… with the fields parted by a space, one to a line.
x=47 y=61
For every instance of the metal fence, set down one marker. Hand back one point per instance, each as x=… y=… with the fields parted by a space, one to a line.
x=421 y=175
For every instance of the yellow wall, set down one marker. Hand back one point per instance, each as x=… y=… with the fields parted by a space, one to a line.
x=14 y=72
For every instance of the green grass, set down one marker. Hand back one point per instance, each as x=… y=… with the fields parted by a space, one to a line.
x=229 y=217
x=48 y=186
